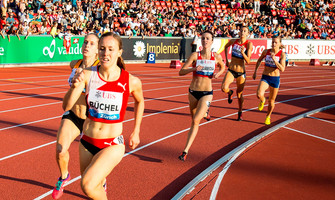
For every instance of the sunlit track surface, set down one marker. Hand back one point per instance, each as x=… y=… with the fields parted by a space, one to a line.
x=30 y=112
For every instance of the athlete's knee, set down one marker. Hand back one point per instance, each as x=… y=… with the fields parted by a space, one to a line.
x=60 y=150
x=88 y=187
x=271 y=101
x=225 y=89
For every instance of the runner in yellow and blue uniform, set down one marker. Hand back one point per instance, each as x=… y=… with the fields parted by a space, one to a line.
x=73 y=118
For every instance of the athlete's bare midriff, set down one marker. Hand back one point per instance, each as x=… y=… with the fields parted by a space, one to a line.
x=100 y=130
x=237 y=65
x=200 y=83
x=271 y=71
x=80 y=107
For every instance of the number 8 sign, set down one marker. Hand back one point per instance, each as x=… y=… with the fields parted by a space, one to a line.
x=151 y=57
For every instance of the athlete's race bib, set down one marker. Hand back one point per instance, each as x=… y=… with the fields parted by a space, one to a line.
x=208 y=67
x=104 y=104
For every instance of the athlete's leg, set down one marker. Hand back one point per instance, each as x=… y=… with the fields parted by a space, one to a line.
x=240 y=82
x=67 y=133
x=197 y=114
x=262 y=87
x=227 y=80
x=272 y=99
x=99 y=168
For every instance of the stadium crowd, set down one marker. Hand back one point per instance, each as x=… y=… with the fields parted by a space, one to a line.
x=304 y=19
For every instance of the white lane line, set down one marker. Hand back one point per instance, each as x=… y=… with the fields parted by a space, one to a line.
x=321 y=119
x=22 y=108
x=321 y=138
x=35 y=95
x=25 y=151
x=33 y=122
x=33 y=88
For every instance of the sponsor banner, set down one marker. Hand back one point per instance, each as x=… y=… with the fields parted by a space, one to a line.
x=219 y=44
x=39 y=49
x=165 y=48
x=309 y=49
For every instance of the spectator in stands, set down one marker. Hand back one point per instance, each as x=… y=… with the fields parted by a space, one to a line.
x=3 y=7
x=12 y=31
x=10 y=19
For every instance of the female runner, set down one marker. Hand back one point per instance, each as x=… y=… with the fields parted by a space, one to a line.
x=108 y=87
x=274 y=64
x=241 y=53
x=73 y=119
x=200 y=91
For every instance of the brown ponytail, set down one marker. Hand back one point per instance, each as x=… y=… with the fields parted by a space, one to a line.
x=120 y=63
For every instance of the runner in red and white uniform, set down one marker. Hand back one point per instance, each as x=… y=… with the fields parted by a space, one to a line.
x=202 y=64
x=73 y=118
x=275 y=59
x=107 y=89
x=241 y=53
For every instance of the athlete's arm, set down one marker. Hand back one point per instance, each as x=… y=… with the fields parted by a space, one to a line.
x=187 y=66
x=73 y=94
x=247 y=57
x=220 y=64
x=135 y=87
x=281 y=65
x=226 y=50
x=258 y=63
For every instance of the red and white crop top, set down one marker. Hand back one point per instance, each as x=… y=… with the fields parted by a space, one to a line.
x=107 y=100
x=208 y=66
x=236 y=49
x=269 y=62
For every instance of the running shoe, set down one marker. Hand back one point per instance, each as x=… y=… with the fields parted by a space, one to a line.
x=229 y=96
x=261 y=105
x=267 y=120
x=183 y=156
x=239 y=116
x=207 y=117
x=58 y=190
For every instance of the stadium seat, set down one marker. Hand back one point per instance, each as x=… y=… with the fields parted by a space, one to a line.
x=273 y=12
x=223 y=6
x=162 y=3
x=168 y=4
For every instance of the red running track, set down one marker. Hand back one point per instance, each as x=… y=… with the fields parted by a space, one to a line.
x=30 y=112
x=294 y=162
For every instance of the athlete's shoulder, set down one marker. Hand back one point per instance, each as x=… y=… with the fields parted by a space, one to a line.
x=73 y=63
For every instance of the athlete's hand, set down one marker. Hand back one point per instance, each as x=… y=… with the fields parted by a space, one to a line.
x=273 y=55
x=242 y=49
x=199 y=68
x=134 y=140
x=78 y=78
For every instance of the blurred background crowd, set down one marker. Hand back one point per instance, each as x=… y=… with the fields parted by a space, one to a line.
x=301 y=19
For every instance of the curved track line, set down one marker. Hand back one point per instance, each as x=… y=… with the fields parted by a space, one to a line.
x=205 y=173
x=231 y=155
x=302 y=132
